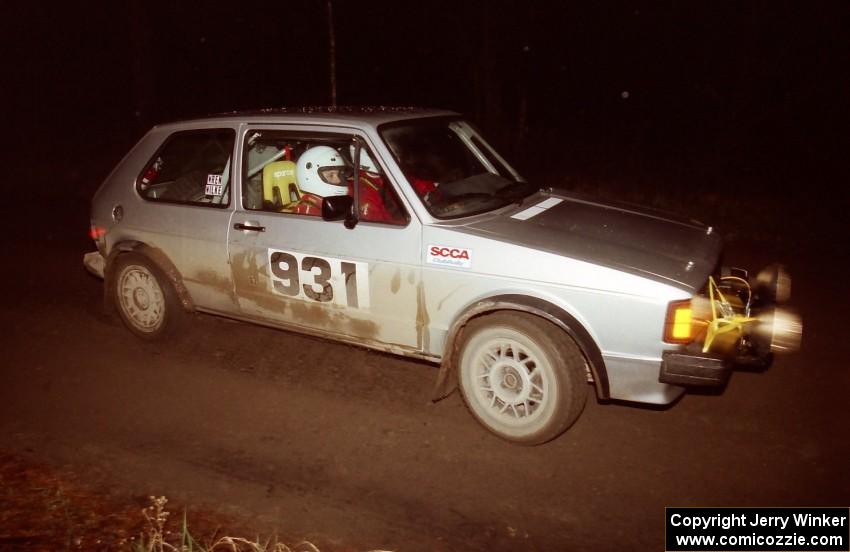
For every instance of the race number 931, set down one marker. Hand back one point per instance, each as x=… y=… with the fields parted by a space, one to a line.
x=321 y=279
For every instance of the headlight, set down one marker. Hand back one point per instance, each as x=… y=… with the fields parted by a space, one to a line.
x=781 y=329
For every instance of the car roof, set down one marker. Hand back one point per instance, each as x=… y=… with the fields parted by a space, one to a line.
x=342 y=115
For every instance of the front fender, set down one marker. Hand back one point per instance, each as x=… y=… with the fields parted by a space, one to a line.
x=446 y=380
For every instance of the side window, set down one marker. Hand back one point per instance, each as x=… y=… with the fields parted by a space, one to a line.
x=292 y=173
x=191 y=167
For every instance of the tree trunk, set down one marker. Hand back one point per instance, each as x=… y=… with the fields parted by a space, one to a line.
x=332 y=53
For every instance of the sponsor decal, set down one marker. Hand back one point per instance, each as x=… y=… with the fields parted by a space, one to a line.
x=320 y=279
x=447 y=255
x=283 y=172
x=213 y=187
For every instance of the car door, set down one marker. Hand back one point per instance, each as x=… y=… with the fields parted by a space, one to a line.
x=359 y=284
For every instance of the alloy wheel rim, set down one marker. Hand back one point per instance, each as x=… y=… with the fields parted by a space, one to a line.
x=141 y=298
x=510 y=382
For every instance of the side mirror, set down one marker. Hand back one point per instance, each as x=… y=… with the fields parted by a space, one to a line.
x=339 y=208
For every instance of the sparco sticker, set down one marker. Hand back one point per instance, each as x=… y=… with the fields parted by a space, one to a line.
x=447 y=255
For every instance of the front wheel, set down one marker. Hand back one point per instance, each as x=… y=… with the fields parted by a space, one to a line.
x=145 y=299
x=522 y=377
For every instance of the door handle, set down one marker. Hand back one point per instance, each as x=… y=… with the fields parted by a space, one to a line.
x=249 y=227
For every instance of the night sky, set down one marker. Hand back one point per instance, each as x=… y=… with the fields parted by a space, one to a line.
x=751 y=95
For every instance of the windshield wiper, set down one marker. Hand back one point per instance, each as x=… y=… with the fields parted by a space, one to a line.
x=516 y=191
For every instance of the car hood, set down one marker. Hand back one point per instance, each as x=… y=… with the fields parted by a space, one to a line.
x=637 y=240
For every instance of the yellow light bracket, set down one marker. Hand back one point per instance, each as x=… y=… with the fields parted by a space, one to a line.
x=723 y=318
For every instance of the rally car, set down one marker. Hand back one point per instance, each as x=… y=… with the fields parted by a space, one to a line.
x=403 y=230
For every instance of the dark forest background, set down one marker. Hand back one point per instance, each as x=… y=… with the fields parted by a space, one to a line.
x=717 y=107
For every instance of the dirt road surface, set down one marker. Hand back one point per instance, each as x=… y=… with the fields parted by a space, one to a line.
x=339 y=444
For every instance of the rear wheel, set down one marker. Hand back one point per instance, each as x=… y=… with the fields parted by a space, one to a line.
x=145 y=299
x=522 y=377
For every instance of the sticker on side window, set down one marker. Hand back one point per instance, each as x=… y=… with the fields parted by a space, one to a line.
x=320 y=279
x=213 y=187
x=459 y=257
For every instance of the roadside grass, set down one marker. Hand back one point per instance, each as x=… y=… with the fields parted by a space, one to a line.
x=46 y=508
x=156 y=537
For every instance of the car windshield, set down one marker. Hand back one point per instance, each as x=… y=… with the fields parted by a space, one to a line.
x=452 y=169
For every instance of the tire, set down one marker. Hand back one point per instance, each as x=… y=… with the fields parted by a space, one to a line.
x=522 y=377
x=144 y=298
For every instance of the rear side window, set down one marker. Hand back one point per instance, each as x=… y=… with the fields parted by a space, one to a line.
x=191 y=167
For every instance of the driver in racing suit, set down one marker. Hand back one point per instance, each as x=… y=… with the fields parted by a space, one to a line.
x=319 y=173
x=377 y=203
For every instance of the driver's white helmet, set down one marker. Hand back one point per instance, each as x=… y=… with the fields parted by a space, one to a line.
x=366 y=162
x=310 y=169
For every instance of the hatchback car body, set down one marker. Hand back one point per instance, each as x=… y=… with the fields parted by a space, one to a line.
x=440 y=251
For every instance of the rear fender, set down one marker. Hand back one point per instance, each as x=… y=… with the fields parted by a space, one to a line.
x=157 y=257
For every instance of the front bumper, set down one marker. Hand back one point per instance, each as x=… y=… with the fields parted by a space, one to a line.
x=694 y=368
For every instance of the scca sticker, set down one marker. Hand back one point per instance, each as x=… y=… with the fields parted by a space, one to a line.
x=446 y=255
